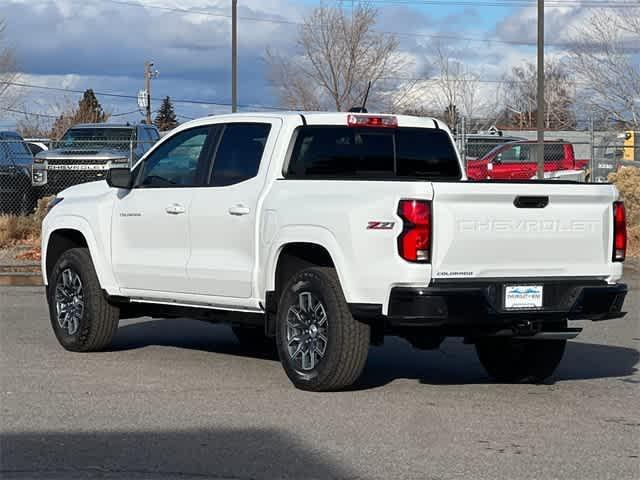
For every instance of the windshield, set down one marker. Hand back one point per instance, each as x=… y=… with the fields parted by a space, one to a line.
x=98 y=138
x=363 y=153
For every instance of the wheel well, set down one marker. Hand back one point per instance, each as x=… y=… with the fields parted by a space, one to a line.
x=59 y=242
x=297 y=256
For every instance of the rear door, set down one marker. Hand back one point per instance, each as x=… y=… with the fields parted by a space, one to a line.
x=503 y=229
x=224 y=214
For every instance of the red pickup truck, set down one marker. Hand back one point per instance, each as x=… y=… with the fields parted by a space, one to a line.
x=517 y=161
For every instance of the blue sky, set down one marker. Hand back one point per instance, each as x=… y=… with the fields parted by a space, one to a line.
x=102 y=44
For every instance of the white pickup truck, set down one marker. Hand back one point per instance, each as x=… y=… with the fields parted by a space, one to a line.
x=329 y=231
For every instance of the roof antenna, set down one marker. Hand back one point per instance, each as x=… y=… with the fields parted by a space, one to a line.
x=363 y=108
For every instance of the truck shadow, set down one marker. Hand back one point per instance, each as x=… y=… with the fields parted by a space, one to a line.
x=205 y=453
x=457 y=364
x=453 y=364
x=185 y=333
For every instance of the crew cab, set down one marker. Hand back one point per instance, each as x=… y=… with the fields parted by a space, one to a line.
x=517 y=161
x=322 y=233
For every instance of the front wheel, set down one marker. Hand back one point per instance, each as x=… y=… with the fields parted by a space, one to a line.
x=321 y=346
x=516 y=360
x=82 y=318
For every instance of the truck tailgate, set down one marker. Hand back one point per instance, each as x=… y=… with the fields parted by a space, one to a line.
x=479 y=232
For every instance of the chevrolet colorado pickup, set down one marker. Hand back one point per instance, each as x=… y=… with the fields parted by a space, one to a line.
x=324 y=232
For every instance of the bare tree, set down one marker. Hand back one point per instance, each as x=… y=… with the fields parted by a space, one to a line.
x=9 y=95
x=520 y=96
x=458 y=91
x=33 y=125
x=339 y=54
x=602 y=58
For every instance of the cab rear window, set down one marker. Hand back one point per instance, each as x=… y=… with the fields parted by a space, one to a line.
x=373 y=153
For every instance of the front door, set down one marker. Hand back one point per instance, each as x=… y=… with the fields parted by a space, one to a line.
x=150 y=233
x=513 y=163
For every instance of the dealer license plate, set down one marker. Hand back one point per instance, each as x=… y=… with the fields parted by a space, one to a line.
x=523 y=296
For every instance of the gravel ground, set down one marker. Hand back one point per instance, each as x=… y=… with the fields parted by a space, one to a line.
x=181 y=399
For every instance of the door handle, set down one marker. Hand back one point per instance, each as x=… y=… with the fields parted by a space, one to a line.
x=239 y=210
x=175 y=209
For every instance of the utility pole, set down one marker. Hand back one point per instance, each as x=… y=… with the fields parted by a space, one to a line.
x=234 y=55
x=149 y=74
x=540 y=112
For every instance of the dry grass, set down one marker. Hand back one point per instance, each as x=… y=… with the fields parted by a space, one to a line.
x=20 y=230
x=628 y=182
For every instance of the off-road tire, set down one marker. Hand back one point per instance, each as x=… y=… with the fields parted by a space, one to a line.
x=99 y=320
x=348 y=339
x=520 y=360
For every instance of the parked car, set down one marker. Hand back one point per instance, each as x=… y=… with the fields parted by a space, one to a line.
x=324 y=232
x=37 y=145
x=477 y=145
x=15 y=175
x=86 y=151
x=517 y=161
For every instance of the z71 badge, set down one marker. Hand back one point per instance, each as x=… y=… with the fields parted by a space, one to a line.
x=380 y=225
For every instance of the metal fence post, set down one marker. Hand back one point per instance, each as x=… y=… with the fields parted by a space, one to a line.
x=592 y=137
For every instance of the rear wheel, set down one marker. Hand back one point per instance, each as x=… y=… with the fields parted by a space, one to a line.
x=516 y=360
x=321 y=346
x=82 y=318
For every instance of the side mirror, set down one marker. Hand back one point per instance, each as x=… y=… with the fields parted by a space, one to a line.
x=120 y=178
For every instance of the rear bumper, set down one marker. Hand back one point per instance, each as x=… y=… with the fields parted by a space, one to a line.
x=480 y=304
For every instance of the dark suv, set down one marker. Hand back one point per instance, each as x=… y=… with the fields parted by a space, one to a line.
x=15 y=175
x=87 y=151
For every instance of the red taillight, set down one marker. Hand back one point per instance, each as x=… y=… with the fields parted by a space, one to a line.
x=619 y=232
x=372 y=121
x=414 y=243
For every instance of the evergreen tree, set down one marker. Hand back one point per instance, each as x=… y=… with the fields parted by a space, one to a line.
x=166 y=118
x=89 y=109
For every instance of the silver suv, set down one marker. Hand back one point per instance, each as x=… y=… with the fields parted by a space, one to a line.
x=86 y=151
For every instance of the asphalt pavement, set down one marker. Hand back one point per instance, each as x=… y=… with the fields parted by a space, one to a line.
x=181 y=399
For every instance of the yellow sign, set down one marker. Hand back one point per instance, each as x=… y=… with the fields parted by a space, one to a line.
x=629 y=147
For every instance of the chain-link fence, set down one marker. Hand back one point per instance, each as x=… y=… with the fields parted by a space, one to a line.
x=25 y=178
x=568 y=155
x=492 y=155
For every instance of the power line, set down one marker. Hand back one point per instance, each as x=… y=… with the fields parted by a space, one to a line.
x=512 y=3
x=390 y=2
x=120 y=95
x=24 y=112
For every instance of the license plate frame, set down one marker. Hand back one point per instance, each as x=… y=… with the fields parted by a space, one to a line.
x=523 y=297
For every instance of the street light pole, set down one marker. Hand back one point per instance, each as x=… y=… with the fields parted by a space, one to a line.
x=540 y=112
x=234 y=55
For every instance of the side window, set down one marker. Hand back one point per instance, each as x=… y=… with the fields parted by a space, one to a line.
x=515 y=154
x=239 y=153
x=553 y=152
x=175 y=162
